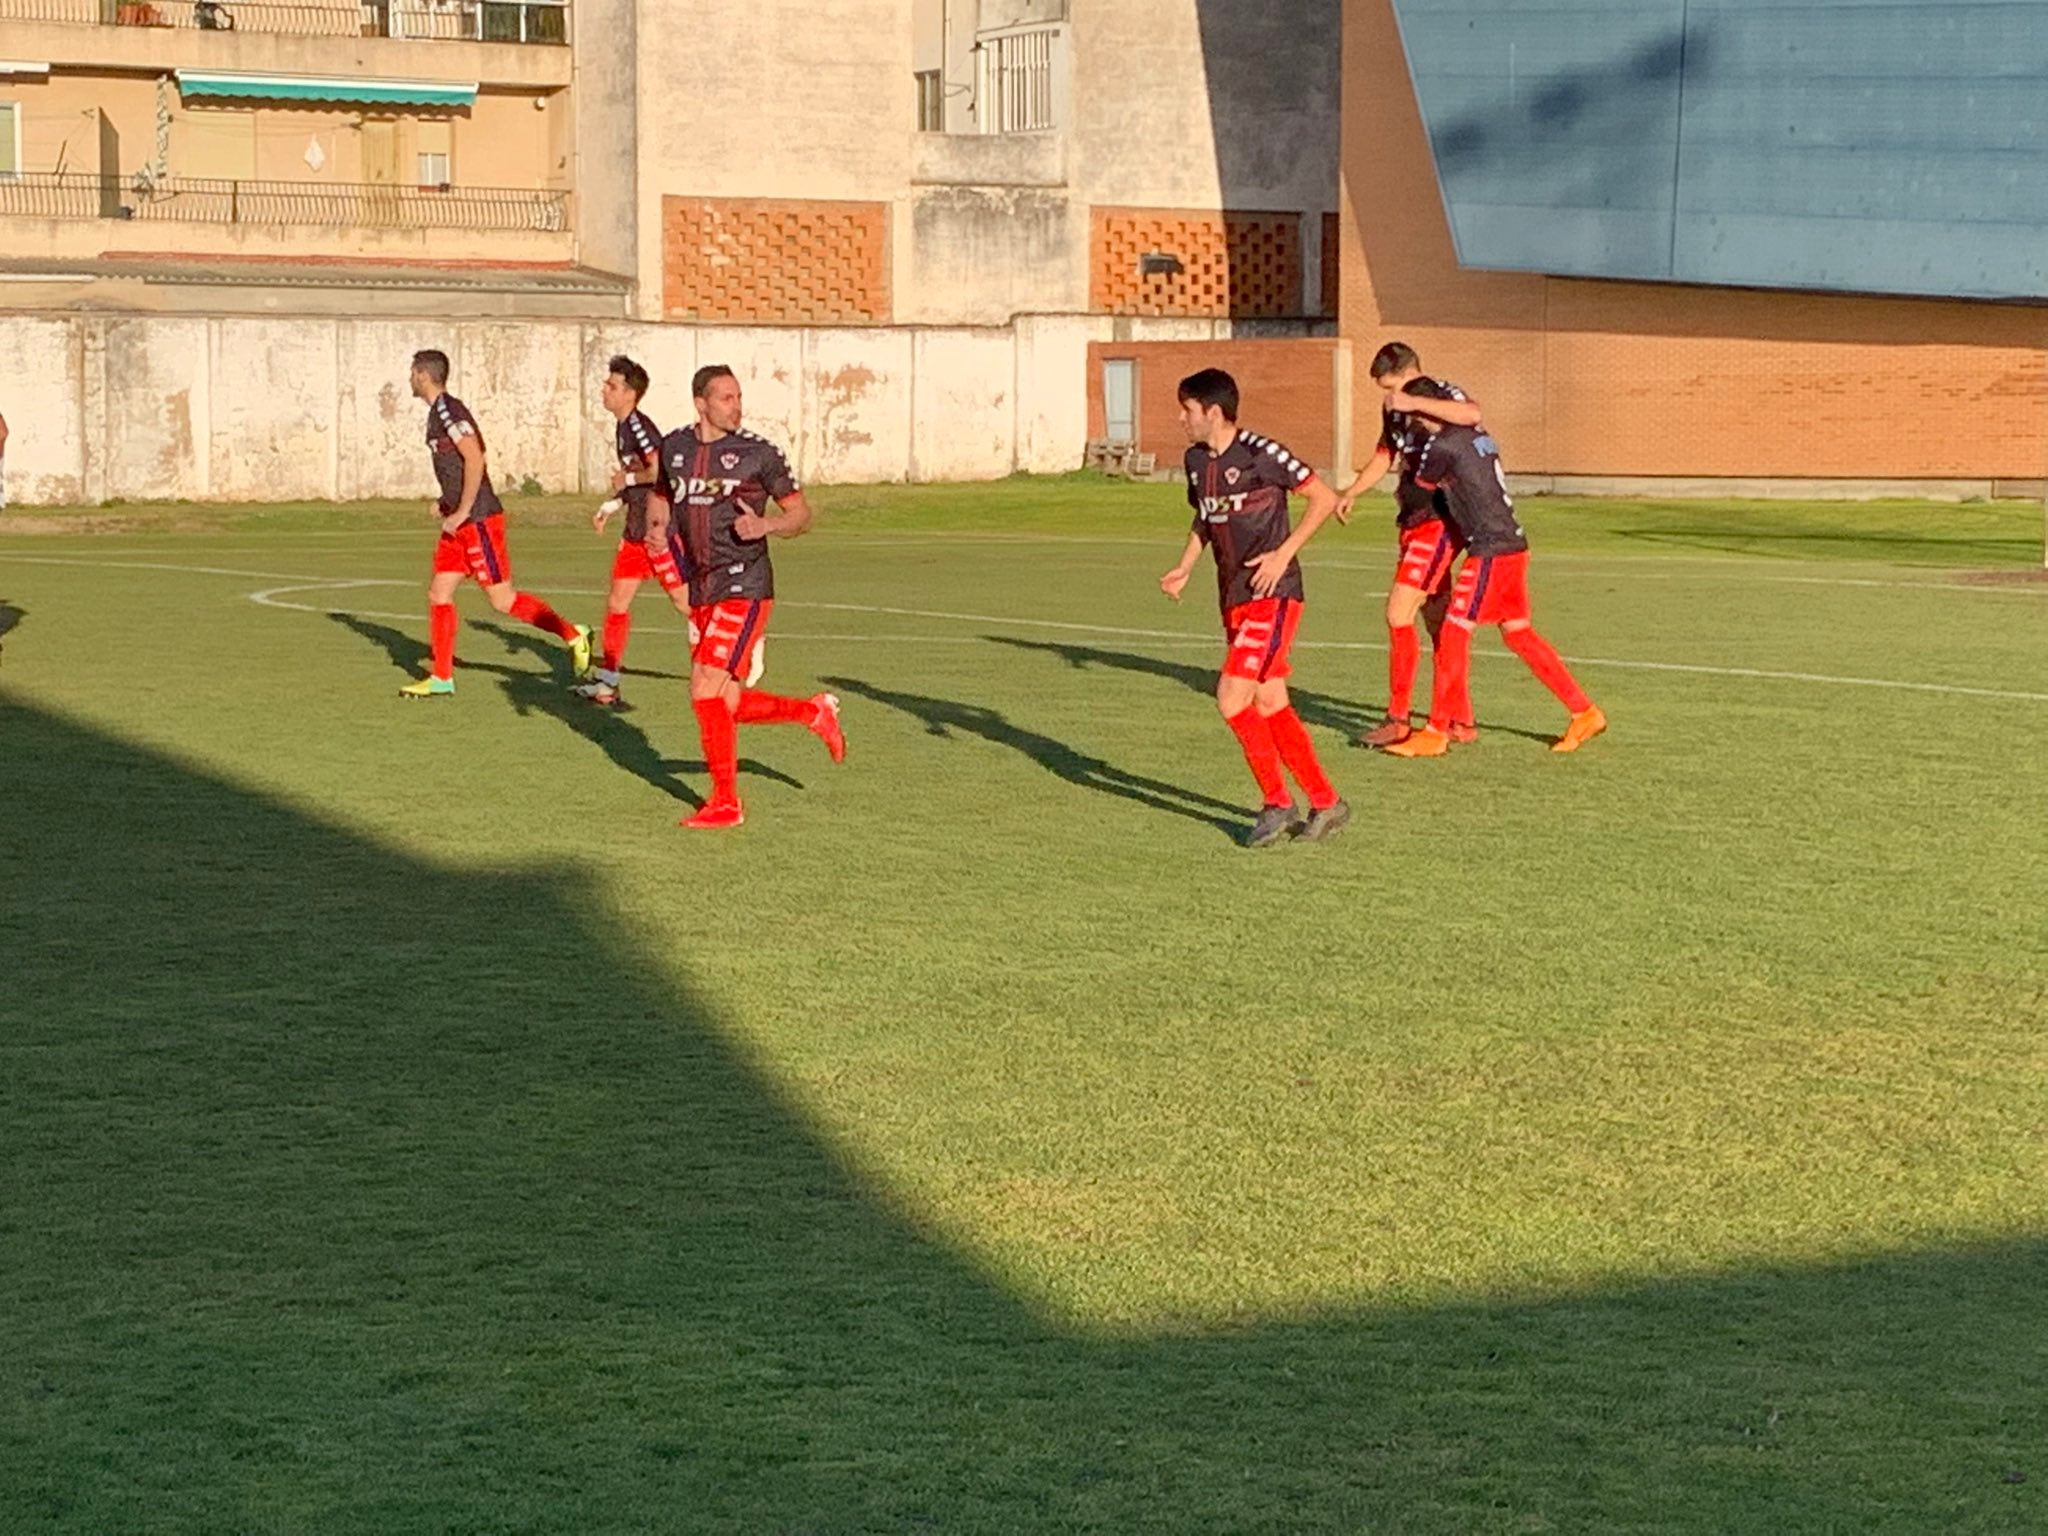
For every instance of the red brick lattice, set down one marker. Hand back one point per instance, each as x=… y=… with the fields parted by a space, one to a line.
x=784 y=262
x=1244 y=264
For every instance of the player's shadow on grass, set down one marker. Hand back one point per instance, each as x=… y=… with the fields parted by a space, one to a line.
x=943 y=717
x=531 y=642
x=1320 y=709
x=348 y=1189
x=621 y=740
x=11 y=615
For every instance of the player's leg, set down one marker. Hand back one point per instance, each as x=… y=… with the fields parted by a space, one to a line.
x=1290 y=736
x=1251 y=629
x=713 y=693
x=495 y=578
x=1540 y=656
x=1450 y=689
x=1435 y=614
x=451 y=569
x=1404 y=655
x=818 y=714
x=629 y=569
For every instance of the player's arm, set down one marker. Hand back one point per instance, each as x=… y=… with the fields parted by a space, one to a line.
x=1452 y=413
x=472 y=452
x=1267 y=569
x=790 y=520
x=1177 y=578
x=1375 y=470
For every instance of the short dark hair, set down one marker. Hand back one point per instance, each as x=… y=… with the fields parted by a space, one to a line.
x=630 y=373
x=1427 y=389
x=1394 y=357
x=1212 y=386
x=702 y=379
x=433 y=364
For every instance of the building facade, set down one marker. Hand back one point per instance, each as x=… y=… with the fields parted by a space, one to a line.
x=1620 y=383
x=904 y=221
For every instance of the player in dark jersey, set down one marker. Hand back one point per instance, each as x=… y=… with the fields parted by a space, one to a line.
x=717 y=482
x=1238 y=485
x=1428 y=543
x=639 y=449
x=1492 y=587
x=472 y=543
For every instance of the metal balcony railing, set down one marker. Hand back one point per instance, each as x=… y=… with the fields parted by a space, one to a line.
x=474 y=21
x=349 y=205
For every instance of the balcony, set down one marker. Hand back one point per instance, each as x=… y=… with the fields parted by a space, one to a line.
x=544 y=22
x=190 y=200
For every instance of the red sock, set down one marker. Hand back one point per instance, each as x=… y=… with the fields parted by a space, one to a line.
x=1290 y=739
x=1460 y=707
x=1404 y=651
x=1549 y=667
x=721 y=738
x=1451 y=686
x=441 y=634
x=774 y=709
x=617 y=626
x=529 y=609
x=1256 y=737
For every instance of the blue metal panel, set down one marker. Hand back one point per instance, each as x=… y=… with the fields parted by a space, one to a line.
x=1863 y=145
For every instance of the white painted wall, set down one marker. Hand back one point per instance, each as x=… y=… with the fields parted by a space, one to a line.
x=147 y=408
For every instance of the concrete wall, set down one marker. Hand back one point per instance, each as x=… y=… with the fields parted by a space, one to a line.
x=262 y=409
x=1295 y=391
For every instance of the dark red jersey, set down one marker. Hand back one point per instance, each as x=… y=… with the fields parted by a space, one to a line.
x=1405 y=436
x=1465 y=465
x=639 y=449
x=448 y=422
x=1240 y=502
x=710 y=485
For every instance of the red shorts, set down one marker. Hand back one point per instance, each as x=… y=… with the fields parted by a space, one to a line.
x=1427 y=554
x=1261 y=633
x=729 y=632
x=1491 y=589
x=633 y=563
x=476 y=550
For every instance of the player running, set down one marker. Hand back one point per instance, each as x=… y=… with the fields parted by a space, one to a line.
x=1428 y=544
x=1238 y=484
x=472 y=543
x=717 y=481
x=639 y=450
x=1492 y=587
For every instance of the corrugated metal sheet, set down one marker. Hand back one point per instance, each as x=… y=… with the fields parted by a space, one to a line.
x=1861 y=145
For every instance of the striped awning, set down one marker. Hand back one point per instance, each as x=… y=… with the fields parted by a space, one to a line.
x=400 y=93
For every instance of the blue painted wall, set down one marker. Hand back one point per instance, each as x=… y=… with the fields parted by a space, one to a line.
x=1863 y=145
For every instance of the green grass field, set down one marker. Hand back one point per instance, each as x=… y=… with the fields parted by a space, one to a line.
x=406 y=1128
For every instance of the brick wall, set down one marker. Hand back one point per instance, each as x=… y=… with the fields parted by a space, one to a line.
x=775 y=261
x=1647 y=379
x=1246 y=265
x=1288 y=388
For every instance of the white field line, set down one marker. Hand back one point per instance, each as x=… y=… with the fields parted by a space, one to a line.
x=274 y=597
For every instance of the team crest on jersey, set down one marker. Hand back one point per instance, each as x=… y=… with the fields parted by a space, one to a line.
x=1230 y=475
x=729 y=460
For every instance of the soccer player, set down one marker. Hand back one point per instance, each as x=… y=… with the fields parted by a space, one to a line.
x=717 y=482
x=1238 y=484
x=1428 y=544
x=1492 y=587
x=472 y=543
x=639 y=449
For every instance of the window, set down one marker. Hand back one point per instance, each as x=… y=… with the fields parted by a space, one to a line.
x=215 y=146
x=10 y=140
x=931 y=101
x=1017 y=81
x=434 y=148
